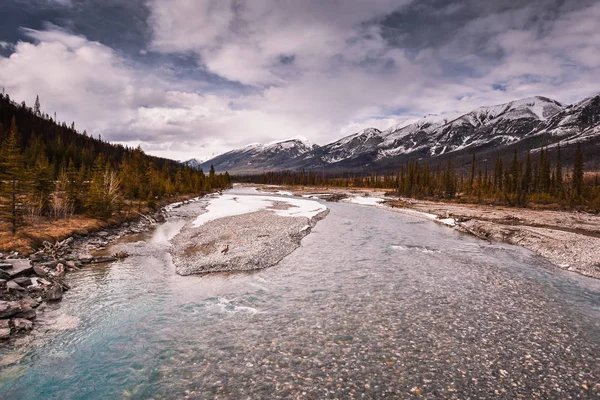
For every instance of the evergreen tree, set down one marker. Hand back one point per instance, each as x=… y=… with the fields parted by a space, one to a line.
x=558 y=175
x=36 y=107
x=11 y=179
x=578 y=173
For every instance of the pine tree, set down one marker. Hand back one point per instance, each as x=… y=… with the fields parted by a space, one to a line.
x=578 y=173
x=558 y=175
x=12 y=177
x=36 y=107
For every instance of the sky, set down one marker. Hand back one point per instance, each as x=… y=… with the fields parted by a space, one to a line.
x=195 y=78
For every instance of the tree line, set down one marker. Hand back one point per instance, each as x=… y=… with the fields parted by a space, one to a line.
x=52 y=171
x=529 y=178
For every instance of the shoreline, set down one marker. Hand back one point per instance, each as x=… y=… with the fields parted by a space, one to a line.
x=570 y=240
x=27 y=284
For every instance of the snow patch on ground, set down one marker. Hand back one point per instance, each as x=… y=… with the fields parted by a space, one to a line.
x=365 y=201
x=229 y=205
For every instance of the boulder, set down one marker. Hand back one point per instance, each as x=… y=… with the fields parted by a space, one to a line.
x=23 y=281
x=5 y=266
x=74 y=264
x=9 y=308
x=29 y=302
x=4 y=329
x=19 y=268
x=39 y=270
x=4 y=275
x=22 y=324
x=3 y=283
x=55 y=293
x=37 y=257
x=60 y=271
x=14 y=286
x=4 y=333
x=27 y=313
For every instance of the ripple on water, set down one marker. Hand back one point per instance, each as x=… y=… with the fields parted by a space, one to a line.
x=366 y=307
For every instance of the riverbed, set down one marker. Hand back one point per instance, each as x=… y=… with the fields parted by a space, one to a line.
x=374 y=304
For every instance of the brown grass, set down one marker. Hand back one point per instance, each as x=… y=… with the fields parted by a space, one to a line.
x=31 y=236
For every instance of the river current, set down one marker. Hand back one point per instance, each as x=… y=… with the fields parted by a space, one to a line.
x=374 y=304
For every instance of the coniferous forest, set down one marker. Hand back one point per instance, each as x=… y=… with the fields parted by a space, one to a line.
x=529 y=179
x=50 y=171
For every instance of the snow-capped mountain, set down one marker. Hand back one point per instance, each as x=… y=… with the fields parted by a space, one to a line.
x=193 y=162
x=260 y=157
x=535 y=121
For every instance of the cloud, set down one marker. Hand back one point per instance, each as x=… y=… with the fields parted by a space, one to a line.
x=218 y=74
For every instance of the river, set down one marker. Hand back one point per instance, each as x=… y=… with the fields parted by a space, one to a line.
x=374 y=304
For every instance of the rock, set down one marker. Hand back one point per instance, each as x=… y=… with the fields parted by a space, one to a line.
x=101 y=260
x=86 y=260
x=74 y=264
x=55 y=293
x=23 y=281
x=27 y=313
x=29 y=302
x=14 y=286
x=39 y=270
x=21 y=324
x=4 y=275
x=60 y=271
x=3 y=283
x=5 y=266
x=37 y=257
x=102 y=234
x=66 y=242
x=45 y=282
x=50 y=264
x=9 y=308
x=4 y=333
x=19 y=268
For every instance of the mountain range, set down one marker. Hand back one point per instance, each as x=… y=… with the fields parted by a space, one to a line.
x=527 y=124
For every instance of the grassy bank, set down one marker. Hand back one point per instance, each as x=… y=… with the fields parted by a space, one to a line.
x=31 y=236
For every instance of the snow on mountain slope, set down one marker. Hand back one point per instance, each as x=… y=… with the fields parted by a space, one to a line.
x=258 y=156
x=430 y=136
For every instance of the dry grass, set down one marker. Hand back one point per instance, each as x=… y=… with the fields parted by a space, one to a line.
x=31 y=236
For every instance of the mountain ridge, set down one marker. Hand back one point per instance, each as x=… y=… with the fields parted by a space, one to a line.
x=432 y=136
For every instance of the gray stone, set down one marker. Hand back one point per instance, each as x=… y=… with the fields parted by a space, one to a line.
x=9 y=308
x=14 y=286
x=74 y=264
x=55 y=293
x=4 y=275
x=4 y=333
x=5 y=266
x=29 y=302
x=22 y=324
x=39 y=270
x=23 y=281
x=19 y=268
x=27 y=313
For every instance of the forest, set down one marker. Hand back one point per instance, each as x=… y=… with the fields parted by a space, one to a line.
x=529 y=179
x=49 y=171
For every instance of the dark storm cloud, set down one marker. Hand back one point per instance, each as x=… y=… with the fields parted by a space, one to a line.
x=178 y=74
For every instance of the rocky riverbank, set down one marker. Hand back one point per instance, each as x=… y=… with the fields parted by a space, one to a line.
x=27 y=284
x=246 y=240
